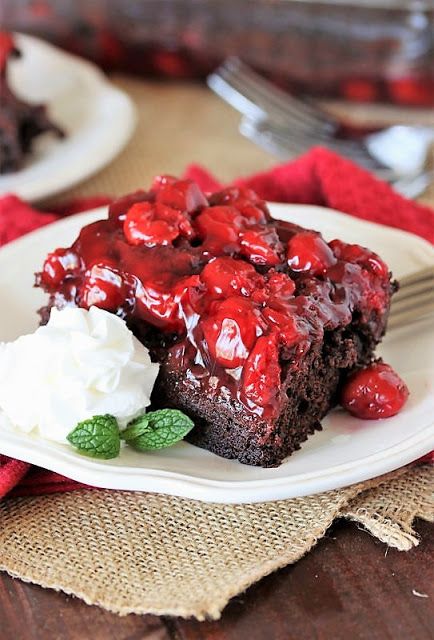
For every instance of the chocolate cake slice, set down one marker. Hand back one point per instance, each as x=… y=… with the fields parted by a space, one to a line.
x=20 y=122
x=256 y=322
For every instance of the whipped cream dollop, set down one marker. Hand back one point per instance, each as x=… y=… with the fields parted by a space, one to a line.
x=81 y=364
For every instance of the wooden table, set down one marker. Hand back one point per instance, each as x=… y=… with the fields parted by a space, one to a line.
x=350 y=586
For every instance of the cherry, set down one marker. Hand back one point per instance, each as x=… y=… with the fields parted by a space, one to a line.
x=162 y=307
x=104 y=287
x=219 y=229
x=230 y=331
x=161 y=181
x=288 y=331
x=155 y=224
x=307 y=251
x=252 y=208
x=261 y=373
x=374 y=392
x=359 y=255
x=57 y=265
x=261 y=245
x=118 y=209
x=183 y=195
x=226 y=276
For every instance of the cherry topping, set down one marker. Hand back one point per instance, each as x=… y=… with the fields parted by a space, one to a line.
x=155 y=224
x=288 y=329
x=374 y=392
x=307 y=251
x=161 y=181
x=261 y=373
x=253 y=209
x=168 y=309
x=118 y=209
x=226 y=276
x=219 y=228
x=230 y=331
x=57 y=265
x=359 y=255
x=184 y=195
x=261 y=246
x=104 y=287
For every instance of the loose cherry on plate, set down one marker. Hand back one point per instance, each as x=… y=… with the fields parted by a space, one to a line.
x=374 y=392
x=307 y=251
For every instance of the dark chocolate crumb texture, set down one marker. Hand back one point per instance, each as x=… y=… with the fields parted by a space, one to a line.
x=256 y=322
x=20 y=122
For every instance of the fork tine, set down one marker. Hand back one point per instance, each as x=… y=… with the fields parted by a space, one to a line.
x=234 y=76
x=414 y=278
x=277 y=95
x=423 y=288
x=406 y=316
x=295 y=142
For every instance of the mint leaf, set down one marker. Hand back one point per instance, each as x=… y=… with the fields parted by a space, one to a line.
x=157 y=429
x=97 y=437
x=136 y=428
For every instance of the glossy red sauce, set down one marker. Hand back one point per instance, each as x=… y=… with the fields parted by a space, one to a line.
x=244 y=294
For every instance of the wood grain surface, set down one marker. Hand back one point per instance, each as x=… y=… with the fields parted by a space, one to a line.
x=350 y=586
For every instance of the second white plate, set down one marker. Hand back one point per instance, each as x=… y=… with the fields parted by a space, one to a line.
x=98 y=119
x=346 y=451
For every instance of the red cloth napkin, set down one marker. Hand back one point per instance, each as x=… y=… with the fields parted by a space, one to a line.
x=319 y=177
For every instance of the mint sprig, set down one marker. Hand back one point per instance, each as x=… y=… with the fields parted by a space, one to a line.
x=97 y=437
x=157 y=429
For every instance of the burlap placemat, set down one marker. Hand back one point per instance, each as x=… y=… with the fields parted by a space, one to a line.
x=147 y=553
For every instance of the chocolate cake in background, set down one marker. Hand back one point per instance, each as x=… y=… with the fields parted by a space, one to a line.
x=256 y=322
x=20 y=122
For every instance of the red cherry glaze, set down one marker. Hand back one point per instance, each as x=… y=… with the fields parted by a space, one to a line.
x=219 y=229
x=226 y=276
x=104 y=287
x=308 y=252
x=261 y=373
x=230 y=331
x=215 y=275
x=261 y=246
x=153 y=224
x=161 y=181
x=359 y=255
x=184 y=195
x=118 y=209
x=57 y=265
x=374 y=392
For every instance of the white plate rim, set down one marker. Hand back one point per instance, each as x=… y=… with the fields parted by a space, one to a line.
x=103 y=474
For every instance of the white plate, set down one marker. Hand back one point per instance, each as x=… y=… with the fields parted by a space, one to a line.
x=346 y=451
x=97 y=117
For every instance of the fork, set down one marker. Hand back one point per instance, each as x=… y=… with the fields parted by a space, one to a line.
x=414 y=300
x=285 y=125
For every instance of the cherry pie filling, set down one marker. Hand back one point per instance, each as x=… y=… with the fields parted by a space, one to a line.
x=243 y=296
